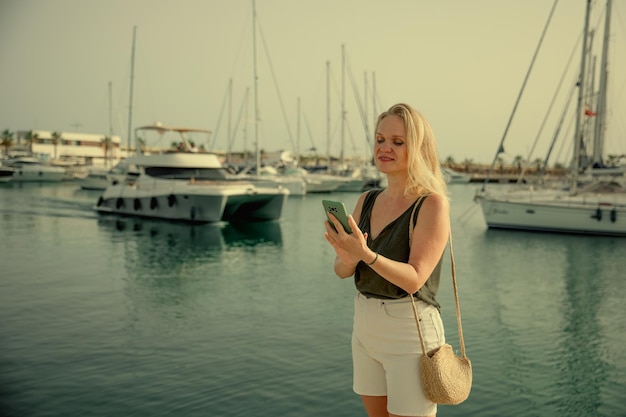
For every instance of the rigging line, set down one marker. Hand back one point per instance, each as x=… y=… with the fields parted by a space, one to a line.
x=308 y=129
x=549 y=110
x=131 y=91
x=335 y=131
x=335 y=84
x=219 y=120
x=467 y=214
x=242 y=107
x=336 y=89
x=241 y=44
x=360 y=108
x=558 y=129
x=280 y=99
x=350 y=136
x=568 y=143
x=519 y=96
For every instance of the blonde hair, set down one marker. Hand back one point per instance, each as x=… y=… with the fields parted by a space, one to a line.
x=424 y=170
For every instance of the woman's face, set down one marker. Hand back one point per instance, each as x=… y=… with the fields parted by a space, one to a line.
x=390 y=148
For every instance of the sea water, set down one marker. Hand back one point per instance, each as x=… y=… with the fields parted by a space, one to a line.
x=109 y=316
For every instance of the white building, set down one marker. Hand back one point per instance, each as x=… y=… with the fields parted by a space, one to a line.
x=82 y=148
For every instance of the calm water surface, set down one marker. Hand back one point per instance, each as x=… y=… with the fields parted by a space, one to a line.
x=103 y=316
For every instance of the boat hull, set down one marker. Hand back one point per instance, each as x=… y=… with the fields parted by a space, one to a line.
x=592 y=215
x=6 y=174
x=173 y=206
x=100 y=180
x=254 y=206
x=38 y=174
x=295 y=185
x=192 y=201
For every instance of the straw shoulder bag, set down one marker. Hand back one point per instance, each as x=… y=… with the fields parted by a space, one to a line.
x=446 y=377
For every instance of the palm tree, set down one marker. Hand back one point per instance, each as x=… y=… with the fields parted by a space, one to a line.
x=7 y=140
x=56 y=136
x=31 y=138
x=107 y=145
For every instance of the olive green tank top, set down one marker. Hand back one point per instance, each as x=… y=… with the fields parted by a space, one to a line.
x=392 y=243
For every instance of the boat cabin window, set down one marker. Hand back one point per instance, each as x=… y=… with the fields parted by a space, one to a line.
x=187 y=173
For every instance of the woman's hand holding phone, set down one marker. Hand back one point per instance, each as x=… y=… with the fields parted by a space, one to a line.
x=337 y=209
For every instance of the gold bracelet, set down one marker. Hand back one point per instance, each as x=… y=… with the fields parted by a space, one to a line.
x=375 y=259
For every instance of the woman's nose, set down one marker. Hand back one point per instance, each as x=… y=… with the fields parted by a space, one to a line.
x=384 y=147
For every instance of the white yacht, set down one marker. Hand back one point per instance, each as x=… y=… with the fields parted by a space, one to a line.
x=271 y=177
x=6 y=173
x=190 y=187
x=99 y=178
x=33 y=169
x=455 y=177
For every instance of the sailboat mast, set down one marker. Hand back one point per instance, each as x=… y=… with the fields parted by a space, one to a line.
x=299 y=112
x=374 y=112
x=343 y=103
x=600 y=124
x=328 y=113
x=256 y=91
x=230 y=112
x=130 y=98
x=110 y=143
x=578 y=139
x=366 y=111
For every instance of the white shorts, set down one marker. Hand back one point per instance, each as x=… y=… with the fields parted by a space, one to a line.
x=386 y=351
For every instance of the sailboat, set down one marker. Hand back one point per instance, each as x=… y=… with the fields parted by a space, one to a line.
x=594 y=208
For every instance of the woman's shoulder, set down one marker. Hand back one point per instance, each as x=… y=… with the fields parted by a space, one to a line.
x=365 y=201
x=368 y=197
x=436 y=204
x=437 y=199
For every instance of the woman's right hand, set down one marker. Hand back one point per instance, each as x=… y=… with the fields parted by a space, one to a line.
x=349 y=247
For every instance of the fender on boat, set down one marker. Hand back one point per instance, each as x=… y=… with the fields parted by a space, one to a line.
x=598 y=214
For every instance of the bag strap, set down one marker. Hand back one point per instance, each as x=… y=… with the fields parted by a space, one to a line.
x=454 y=286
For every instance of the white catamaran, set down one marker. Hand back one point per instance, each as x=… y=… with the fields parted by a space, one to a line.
x=188 y=186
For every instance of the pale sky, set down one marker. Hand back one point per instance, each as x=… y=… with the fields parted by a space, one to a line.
x=461 y=63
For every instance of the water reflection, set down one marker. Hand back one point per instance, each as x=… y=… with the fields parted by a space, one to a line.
x=252 y=234
x=582 y=365
x=175 y=272
x=164 y=247
x=553 y=302
x=45 y=200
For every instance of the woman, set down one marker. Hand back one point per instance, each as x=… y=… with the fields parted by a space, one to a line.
x=387 y=268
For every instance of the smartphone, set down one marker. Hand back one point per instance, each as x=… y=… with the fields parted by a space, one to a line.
x=339 y=210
